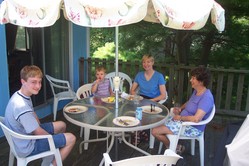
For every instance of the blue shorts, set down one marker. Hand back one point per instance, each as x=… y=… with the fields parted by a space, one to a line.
x=41 y=145
x=174 y=126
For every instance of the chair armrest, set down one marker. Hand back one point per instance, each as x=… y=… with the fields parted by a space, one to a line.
x=67 y=86
x=35 y=137
x=190 y=123
x=194 y=123
x=64 y=84
x=58 y=80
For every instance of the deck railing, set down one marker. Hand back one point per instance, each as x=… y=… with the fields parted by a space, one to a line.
x=230 y=87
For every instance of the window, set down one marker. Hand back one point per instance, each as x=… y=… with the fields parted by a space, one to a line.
x=22 y=36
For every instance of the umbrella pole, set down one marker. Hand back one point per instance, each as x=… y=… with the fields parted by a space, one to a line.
x=116 y=51
x=117 y=80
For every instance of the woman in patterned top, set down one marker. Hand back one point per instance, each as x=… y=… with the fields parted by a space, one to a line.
x=196 y=109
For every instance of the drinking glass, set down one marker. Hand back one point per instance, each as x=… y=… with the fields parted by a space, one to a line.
x=136 y=98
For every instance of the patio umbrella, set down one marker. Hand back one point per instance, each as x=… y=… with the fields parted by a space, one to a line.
x=175 y=14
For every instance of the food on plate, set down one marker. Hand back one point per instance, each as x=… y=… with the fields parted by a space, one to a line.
x=74 y=110
x=110 y=99
x=151 y=109
x=130 y=97
x=147 y=110
x=126 y=120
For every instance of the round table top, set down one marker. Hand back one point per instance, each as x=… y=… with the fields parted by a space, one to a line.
x=95 y=113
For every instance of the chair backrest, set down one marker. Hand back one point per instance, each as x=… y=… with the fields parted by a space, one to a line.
x=84 y=91
x=58 y=85
x=166 y=98
x=153 y=160
x=123 y=77
x=7 y=132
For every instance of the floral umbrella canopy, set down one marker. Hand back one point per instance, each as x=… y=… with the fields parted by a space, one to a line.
x=175 y=14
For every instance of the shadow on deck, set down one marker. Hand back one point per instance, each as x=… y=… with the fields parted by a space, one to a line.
x=94 y=154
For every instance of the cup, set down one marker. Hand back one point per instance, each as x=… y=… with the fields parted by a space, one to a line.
x=139 y=113
x=116 y=82
x=177 y=105
x=136 y=99
x=176 y=108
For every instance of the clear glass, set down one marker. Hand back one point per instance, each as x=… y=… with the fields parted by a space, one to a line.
x=136 y=97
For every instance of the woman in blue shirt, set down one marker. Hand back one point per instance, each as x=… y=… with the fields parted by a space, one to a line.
x=151 y=83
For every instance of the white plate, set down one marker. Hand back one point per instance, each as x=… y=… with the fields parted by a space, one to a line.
x=109 y=100
x=131 y=121
x=76 y=109
x=131 y=97
x=147 y=109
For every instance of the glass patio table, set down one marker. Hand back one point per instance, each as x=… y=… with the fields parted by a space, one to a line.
x=97 y=114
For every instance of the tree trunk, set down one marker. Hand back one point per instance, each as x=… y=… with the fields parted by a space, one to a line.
x=206 y=48
x=183 y=42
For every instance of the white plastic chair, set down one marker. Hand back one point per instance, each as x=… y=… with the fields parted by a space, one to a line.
x=164 y=100
x=83 y=92
x=174 y=138
x=123 y=77
x=21 y=161
x=168 y=159
x=61 y=90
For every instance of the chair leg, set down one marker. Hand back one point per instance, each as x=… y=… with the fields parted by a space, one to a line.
x=160 y=148
x=21 y=162
x=86 y=137
x=193 y=147
x=55 y=107
x=173 y=139
x=58 y=158
x=11 y=158
x=81 y=132
x=152 y=140
x=201 y=148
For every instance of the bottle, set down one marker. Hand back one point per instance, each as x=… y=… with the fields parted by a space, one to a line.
x=139 y=113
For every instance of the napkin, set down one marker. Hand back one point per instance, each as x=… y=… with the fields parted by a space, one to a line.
x=124 y=95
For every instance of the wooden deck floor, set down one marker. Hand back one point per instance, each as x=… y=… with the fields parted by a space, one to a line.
x=93 y=155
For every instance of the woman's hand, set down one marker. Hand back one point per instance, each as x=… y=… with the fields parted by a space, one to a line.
x=177 y=110
x=177 y=117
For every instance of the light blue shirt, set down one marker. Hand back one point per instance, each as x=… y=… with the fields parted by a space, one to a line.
x=150 y=88
x=20 y=117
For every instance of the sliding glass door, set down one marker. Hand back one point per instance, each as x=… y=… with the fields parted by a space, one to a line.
x=47 y=48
